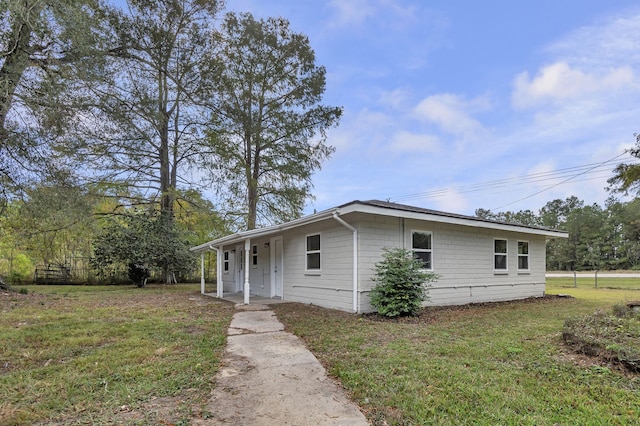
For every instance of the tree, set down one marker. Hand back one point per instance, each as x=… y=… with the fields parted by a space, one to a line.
x=146 y=125
x=141 y=241
x=269 y=127
x=402 y=283
x=523 y=217
x=627 y=176
x=44 y=46
x=55 y=221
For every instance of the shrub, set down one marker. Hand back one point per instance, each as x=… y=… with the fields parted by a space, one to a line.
x=613 y=337
x=22 y=269
x=402 y=283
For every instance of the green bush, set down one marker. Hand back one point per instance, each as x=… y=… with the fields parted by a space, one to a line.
x=22 y=269
x=402 y=283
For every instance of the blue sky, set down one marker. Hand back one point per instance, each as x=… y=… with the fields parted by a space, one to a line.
x=459 y=105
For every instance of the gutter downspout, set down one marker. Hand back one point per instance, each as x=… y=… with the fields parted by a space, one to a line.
x=355 y=258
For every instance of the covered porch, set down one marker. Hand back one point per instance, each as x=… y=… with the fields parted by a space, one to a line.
x=250 y=264
x=238 y=299
x=248 y=267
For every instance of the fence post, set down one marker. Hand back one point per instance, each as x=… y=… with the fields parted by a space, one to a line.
x=575 y=279
x=596 y=277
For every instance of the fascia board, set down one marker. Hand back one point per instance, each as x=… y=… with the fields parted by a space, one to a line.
x=262 y=232
x=360 y=208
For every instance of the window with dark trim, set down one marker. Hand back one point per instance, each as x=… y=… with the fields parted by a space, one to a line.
x=421 y=245
x=313 y=252
x=523 y=255
x=254 y=255
x=500 y=255
x=225 y=262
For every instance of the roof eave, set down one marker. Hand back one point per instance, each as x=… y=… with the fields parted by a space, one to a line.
x=364 y=207
x=263 y=232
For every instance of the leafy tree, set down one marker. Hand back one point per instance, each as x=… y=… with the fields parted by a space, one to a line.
x=15 y=265
x=523 y=217
x=45 y=45
x=146 y=125
x=269 y=126
x=143 y=241
x=626 y=177
x=55 y=222
x=629 y=244
x=402 y=283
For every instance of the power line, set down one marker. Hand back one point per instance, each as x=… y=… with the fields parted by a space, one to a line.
x=600 y=170
x=560 y=183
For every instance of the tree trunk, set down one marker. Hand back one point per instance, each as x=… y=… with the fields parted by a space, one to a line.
x=167 y=191
x=252 y=191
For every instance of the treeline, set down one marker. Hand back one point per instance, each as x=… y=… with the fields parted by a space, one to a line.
x=114 y=120
x=600 y=237
x=94 y=239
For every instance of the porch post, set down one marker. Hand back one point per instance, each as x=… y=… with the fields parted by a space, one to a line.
x=247 y=285
x=202 y=273
x=219 y=283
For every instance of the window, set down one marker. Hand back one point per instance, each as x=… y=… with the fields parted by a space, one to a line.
x=422 y=247
x=500 y=255
x=313 y=252
x=254 y=255
x=225 y=262
x=523 y=255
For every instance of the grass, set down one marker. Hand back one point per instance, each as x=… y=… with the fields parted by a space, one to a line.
x=123 y=355
x=490 y=364
x=104 y=355
x=589 y=282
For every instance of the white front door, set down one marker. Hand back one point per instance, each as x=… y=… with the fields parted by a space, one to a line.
x=276 y=267
x=239 y=263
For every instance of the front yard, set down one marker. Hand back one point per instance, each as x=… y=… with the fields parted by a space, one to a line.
x=123 y=355
x=108 y=355
x=490 y=364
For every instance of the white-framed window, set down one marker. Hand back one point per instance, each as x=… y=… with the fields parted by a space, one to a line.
x=313 y=253
x=225 y=261
x=500 y=260
x=523 y=255
x=422 y=247
x=254 y=255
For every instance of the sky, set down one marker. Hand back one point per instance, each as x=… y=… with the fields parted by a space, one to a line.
x=460 y=105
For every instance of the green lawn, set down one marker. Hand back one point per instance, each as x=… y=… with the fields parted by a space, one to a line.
x=488 y=364
x=123 y=355
x=105 y=355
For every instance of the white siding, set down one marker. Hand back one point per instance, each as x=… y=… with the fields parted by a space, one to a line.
x=462 y=257
x=332 y=286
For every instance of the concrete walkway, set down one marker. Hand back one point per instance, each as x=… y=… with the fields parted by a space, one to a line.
x=268 y=377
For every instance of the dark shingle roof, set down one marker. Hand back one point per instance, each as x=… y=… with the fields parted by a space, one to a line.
x=413 y=209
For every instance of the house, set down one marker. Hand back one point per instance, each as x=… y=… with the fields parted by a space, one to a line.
x=328 y=258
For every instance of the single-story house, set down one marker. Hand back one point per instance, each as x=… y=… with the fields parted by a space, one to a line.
x=328 y=258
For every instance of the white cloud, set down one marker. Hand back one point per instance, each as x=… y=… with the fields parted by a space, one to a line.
x=452 y=113
x=452 y=201
x=560 y=82
x=396 y=99
x=407 y=142
x=598 y=46
x=351 y=13
x=358 y=130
